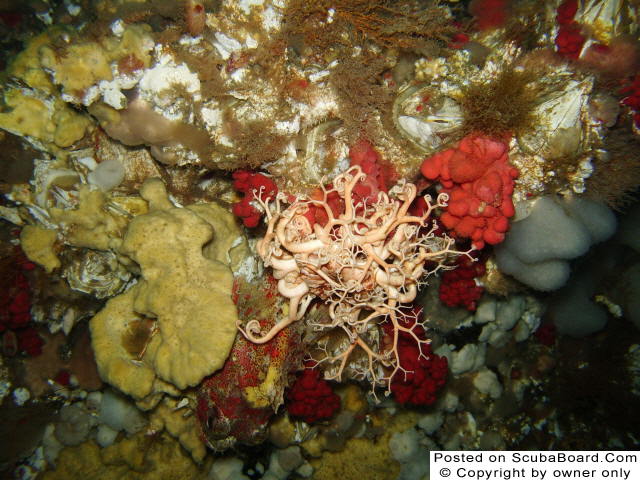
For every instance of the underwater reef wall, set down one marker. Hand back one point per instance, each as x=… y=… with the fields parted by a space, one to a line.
x=286 y=239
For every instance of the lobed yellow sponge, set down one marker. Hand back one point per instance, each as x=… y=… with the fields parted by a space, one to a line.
x=178 y=323
x=38 y=245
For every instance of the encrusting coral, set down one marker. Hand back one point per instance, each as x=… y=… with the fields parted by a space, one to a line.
x=234 y=404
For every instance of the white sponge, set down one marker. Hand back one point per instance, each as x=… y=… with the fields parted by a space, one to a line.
x=596 y=217
x=107 y=175
x=573 y=311
x=120 y=413
x=537 y=248
x=543 y=276
x=548 y=233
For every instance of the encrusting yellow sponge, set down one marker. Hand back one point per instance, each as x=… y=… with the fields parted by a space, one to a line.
x=181 y=321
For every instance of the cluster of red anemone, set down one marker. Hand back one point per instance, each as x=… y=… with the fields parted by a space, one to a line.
x=18 y=334
x=422 y=375
x=311 y=397
x=632 y=98
x=458 y=287
x=250 y=184
x=569 y=40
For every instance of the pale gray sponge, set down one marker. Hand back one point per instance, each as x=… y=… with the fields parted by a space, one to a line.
x=537 y=248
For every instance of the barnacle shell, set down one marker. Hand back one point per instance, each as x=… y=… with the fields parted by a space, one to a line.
x=313 y=156
x=562 y=127
x=425 y=118
x=607 y=18
x=321 y=148
x=97 y=273
x=55 y=187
